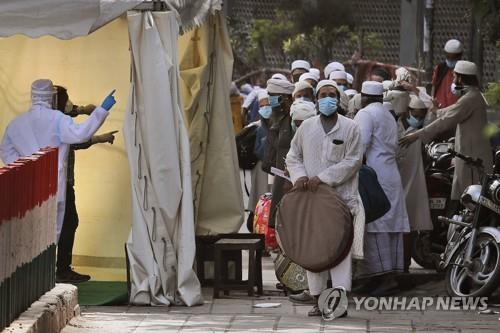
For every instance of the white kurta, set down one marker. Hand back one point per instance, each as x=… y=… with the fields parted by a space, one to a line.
x=411 y=168
x=313 y=153
x=379 y=134
x=42 y=127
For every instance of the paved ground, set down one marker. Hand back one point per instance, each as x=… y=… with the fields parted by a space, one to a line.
x=237 y=314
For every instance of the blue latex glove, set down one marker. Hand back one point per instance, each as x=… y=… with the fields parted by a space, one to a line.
x=109 y=101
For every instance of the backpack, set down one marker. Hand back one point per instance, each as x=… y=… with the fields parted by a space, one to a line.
x=245 y=144
x=375 y=201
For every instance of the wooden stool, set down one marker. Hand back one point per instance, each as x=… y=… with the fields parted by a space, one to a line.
x=221 y=281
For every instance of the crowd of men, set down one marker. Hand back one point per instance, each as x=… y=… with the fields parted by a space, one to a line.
x=314 y=126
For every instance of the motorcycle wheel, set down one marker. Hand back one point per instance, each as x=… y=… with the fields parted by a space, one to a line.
x=484 y=276
x=421 y=251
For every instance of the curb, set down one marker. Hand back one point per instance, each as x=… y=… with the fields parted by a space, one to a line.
x=50 y=313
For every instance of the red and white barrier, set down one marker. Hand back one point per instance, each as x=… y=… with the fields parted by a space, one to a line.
x=28 y=212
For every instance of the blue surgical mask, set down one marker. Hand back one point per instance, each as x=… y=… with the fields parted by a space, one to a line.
x=327 y=105
x=451 y=63
x=414 y=122
x=342 y=87
x=294 y=127
x=274 y=101
x=456 y=90
x=265 y=111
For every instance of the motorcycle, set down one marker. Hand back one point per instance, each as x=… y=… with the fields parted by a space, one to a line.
x=428 y=245
x=472 y=255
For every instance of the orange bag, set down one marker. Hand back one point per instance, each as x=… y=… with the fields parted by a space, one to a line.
x=261 y=221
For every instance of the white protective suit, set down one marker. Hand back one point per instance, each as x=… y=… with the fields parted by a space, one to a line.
x=42 y=127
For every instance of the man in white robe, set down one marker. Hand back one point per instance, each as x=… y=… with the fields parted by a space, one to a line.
x=327 y=149
x=41 y=126
x=384 y=236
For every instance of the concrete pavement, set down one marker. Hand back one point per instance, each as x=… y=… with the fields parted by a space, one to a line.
x=237 y=314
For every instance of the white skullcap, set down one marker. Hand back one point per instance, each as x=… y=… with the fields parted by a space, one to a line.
x=350 y=78
x=389 y=106
x=350 y=92
x=338 y=75
x=307 y=76
x=402 y=74
x=387 y=84
x=465 y=67
x=302 y=110
x=372 y=88
x=333 y=66
x=301 y=64
x=324 y=83
x=42 y=91
x=277 y=86
x=344 y=100
x=416 y=103
x=262 y=94
x=279 y=76
x=316 y=73
x=301 y=85
x=453 y=46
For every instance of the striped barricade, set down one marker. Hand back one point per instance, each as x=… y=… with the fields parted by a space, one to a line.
x=28 y=209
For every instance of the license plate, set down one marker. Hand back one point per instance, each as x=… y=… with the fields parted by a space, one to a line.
x=437 y=203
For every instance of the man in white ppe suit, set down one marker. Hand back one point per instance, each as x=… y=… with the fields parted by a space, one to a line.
x=42 y=126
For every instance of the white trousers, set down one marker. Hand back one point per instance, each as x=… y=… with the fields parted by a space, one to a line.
x=341 y=276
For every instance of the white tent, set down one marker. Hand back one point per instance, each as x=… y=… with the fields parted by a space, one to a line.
x=161 y=244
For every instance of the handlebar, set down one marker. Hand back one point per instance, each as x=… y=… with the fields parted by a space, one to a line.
x=477 y=162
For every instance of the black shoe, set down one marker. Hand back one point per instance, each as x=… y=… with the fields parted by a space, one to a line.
x=314 y=312
x=302 y=298
x=71 y=277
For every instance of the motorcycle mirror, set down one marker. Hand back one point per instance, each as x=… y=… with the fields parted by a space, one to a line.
x=497 y=163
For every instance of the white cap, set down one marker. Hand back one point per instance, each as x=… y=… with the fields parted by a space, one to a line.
x=277 y=86
x=389 y=106
x=338 y=75
x=42 y=91
x=262 y=94
x=324 y=83
x=333 y=66
x=316 y=73
x=350 y=78
x=302 y=110
x=416 y=103
x=279 y=76
x=344 y=100
x=301 y=85
x=402 y=74
x=453 y=46
x=372 y=88
x=465 y=67
x=301 y=64
x=307 y=76
x=350 y=92
x=387 y=84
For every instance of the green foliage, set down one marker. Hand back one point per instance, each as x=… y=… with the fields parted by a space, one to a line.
x=308 y=29
x=492 y=94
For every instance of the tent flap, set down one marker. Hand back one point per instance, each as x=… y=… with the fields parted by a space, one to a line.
x=64 y=19
x=161 y=244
